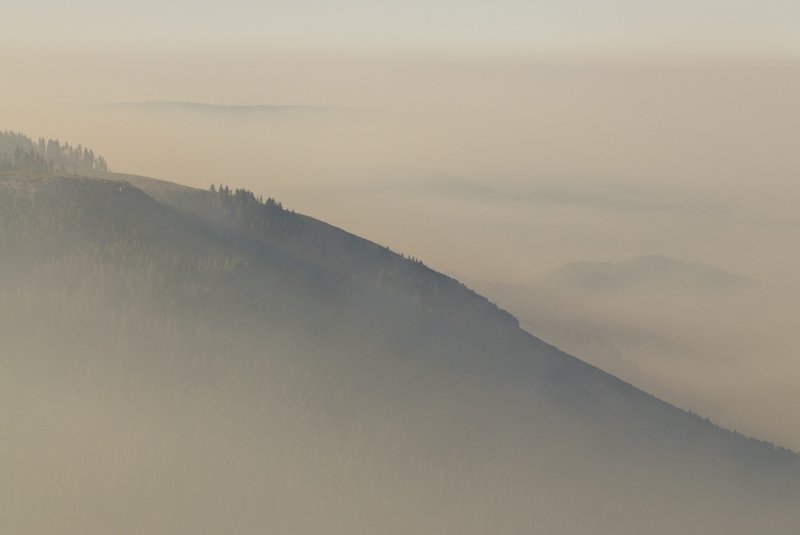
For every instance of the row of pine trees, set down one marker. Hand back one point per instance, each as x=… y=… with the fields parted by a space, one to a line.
x=18 y=152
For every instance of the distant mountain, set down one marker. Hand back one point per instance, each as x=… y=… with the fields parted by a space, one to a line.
x=231 y=110
x=428 y=183
x=682 y=330
x=184 y=361
x=654 y=271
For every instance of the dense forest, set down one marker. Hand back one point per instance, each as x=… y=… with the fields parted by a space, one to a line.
x=18 y=152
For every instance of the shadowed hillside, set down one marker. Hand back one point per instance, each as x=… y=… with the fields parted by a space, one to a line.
x=186 y=361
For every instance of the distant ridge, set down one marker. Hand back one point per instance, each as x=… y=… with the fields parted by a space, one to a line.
x=227 y=109
x=656 y=270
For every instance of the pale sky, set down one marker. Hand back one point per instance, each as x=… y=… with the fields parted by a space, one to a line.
x=716 y=28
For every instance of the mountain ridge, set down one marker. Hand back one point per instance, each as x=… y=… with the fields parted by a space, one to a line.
x=182 y=199
x=219 y=315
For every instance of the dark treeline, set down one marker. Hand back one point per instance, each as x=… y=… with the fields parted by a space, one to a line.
x=18 y=152
x=252 y=213
x=242 y=197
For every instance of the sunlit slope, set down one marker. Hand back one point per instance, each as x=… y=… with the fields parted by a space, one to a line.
x=185 y=361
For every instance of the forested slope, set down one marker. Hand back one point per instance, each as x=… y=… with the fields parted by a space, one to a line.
x=185 y=361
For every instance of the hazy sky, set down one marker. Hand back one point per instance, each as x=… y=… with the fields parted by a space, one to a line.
x=718 y=28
